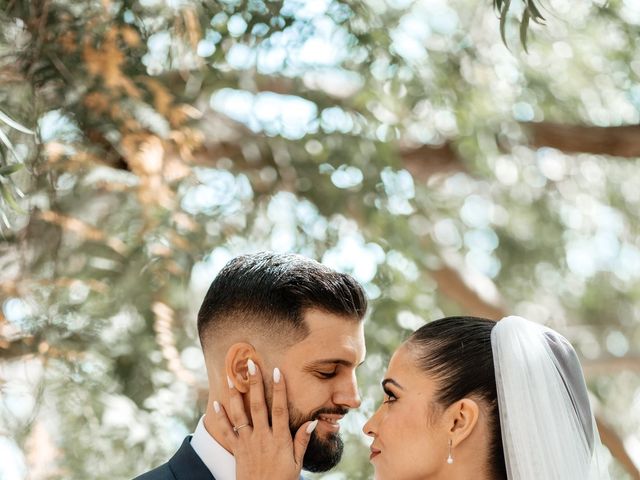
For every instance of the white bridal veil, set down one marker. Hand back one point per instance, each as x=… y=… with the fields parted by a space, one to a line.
x=548 y=429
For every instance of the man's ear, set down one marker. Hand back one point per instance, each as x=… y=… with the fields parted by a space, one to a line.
x=462 y=418
x=235 y=364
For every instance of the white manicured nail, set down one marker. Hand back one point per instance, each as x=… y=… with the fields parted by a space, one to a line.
x=216 y=406
x=230 y=382
x=251 y=366
x=276 y=375
x=312 y=426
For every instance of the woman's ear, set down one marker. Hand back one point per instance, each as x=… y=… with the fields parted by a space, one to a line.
x=462 y=418
x=235 y=364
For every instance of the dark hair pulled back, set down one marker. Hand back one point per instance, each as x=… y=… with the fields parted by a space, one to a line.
x=456 y=351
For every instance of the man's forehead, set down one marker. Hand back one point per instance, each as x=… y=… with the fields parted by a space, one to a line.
x=330 y=336
x=349 y=333
x=319 y=321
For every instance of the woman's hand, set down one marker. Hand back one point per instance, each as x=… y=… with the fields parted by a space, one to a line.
x=262 y=451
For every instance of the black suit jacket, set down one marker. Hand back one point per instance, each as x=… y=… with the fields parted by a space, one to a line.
x=184 y=465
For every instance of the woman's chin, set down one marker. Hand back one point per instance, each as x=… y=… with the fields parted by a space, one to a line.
x=379 y=475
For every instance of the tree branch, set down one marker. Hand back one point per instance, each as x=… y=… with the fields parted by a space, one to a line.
x=616 y=447
x=616 y=141
x=11 y=350
x=426 y=160
x=606 y=365
x=623 y=142
x=452 y=284
x=422 y=161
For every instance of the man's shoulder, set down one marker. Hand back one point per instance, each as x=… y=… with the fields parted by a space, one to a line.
x=163 y=472
x=185 y=464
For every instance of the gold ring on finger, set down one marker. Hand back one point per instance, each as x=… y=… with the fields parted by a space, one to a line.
x=236 y=429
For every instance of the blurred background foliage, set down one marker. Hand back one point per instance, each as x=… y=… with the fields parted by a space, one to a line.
x=145 y=143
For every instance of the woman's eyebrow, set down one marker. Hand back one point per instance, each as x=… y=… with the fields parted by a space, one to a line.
x=392 y=382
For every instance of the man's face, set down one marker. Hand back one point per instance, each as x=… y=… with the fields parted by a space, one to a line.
x=321 y=382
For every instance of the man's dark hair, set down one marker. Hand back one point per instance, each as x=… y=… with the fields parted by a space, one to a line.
x=272 y=291
x=457 y=352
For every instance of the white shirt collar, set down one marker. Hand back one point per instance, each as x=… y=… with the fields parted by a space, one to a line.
x=219 y=461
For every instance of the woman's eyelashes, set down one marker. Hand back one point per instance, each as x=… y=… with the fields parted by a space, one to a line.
x=390 y=397
x=326 y=374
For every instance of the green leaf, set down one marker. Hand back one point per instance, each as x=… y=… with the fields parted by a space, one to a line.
x=533 y=10
x=503 y=20
x=13 y=124
x=524 y=27
x=6 y=194
x=9 y=169
x=7 y=143
x=5 y=219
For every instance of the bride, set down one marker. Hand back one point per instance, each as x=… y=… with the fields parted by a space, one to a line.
x=464 y=398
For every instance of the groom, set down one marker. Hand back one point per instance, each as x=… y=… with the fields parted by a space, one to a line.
x=285 y=311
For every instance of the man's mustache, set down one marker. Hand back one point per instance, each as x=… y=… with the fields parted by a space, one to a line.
x=329 y=411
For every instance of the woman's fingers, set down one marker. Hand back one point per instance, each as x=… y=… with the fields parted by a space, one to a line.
x=224 y=423
x=257 y=403
x=263 y=451
x=301 y=441
x=237 y=415
x=279 y=405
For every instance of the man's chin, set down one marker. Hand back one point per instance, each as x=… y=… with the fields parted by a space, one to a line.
x=323 y=453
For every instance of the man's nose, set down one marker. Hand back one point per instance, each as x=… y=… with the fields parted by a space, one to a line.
x=348 y=394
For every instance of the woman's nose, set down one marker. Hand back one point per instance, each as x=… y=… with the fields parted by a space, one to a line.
x=369 y=427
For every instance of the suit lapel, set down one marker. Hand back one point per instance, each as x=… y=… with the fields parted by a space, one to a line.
x=186 y=465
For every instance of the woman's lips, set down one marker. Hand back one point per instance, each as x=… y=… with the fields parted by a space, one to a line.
x=374 y=453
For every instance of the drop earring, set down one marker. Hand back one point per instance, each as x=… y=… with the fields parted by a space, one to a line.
x=450 y=458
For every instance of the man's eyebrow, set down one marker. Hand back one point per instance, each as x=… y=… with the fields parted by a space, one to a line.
x=392 y=382
x=332 y=361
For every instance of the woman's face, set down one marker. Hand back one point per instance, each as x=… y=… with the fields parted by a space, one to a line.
x=410 y=438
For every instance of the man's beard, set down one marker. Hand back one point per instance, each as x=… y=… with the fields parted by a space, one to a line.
x=323 y=453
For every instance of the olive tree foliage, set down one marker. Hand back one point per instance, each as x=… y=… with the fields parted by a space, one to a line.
x=416 y=145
